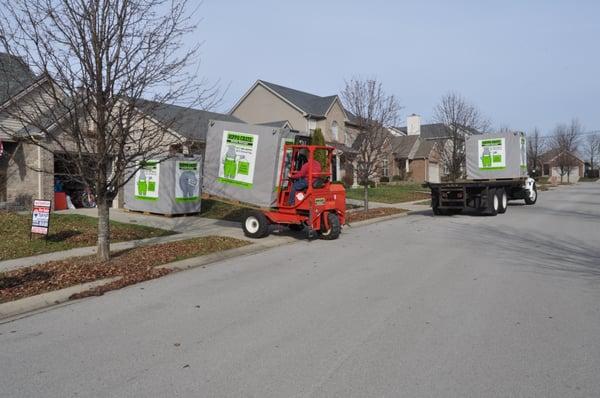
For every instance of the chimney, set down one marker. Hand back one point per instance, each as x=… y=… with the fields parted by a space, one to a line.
x=413 y=125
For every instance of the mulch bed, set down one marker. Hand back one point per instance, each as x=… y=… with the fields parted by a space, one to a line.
x=132 y=266
x=360 y=215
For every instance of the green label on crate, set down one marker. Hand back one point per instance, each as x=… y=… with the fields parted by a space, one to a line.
x=492 y=154
x=238 y=159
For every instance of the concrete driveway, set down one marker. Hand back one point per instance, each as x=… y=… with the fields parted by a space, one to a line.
x=461 y=306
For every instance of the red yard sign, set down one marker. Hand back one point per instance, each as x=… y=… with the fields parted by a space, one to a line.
x=40 y=216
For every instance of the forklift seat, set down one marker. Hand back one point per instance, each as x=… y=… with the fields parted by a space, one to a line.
x=318 y=183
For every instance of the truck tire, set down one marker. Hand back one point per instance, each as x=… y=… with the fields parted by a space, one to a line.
x=531 y=197
x=502 y=200
x=435 y=202
x=492 y=202
x=255 y=225
x=333 y=232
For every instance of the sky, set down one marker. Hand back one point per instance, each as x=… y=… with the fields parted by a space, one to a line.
x=522 y=63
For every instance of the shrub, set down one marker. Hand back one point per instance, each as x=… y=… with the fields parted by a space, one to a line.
x=320 y=155
x=397 y=178
x=384 y=179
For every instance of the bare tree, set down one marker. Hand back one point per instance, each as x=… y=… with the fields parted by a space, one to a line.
x=535 y=148
x=565 y=142
x=374 y=110
x=592 y=150
x=95 y=62
x=461 y=119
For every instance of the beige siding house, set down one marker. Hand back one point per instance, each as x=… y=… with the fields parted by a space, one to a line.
x=267 y=102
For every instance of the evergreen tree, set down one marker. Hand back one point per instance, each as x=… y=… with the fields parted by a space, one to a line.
x=320 y=155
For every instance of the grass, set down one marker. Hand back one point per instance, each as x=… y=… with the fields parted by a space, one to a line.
x=128 y=266
x=587 y=179
x=360 y=215
x=67 y=231
x=406 y=192
x=218 y=210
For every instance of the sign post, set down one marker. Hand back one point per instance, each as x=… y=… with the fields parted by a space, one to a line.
x=40 y=217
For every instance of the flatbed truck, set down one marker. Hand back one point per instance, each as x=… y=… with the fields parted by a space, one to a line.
x=489 y=197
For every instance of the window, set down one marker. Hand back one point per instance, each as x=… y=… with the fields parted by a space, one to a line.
x=312 y=125
x=385 y=170
x=334 y=130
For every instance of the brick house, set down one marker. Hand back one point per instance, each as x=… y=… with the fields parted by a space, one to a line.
x=550 y=162
x=268 y=103
x=27 y=171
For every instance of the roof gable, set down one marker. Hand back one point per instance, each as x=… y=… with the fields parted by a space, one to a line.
x=15 y=76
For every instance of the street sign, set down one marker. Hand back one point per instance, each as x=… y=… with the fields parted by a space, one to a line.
x=40 y=216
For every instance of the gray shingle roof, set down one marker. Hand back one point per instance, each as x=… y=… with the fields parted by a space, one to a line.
x=189 y=122
x=424 y=149
x=277 y=124
x=15 y=76
x=309 y=103
x=404 y=147
x=431 y=131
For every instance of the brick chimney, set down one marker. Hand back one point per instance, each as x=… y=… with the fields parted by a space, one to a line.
x=413 y=125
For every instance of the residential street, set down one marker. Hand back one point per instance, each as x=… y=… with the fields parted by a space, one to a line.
x=463 y=306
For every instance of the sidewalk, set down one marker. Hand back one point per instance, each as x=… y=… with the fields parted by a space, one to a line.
x=410 y=206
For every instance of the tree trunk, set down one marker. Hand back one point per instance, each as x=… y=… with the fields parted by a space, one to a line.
x=366 y=198
x=103 y=230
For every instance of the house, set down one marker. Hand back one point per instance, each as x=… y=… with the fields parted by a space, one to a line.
x=572 y=166
x=267 y=103
x=27 y=171
x=414 y=156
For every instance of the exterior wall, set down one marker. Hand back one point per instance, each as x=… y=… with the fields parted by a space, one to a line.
x=24 y=181
x=336 y=114
x=418 y=168
x=261 y=106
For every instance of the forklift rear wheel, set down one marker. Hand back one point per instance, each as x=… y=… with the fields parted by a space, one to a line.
x=296 y=227
x=255 y=225
x=333 y=232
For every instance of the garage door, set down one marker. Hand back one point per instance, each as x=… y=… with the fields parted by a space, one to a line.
x=433 y=172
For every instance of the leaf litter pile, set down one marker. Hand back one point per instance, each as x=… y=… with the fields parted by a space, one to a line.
x=131 y=266
x=360 y=215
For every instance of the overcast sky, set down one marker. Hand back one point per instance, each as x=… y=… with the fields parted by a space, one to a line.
x=524 y=63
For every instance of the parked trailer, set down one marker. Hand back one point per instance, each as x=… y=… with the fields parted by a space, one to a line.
x=486 y=196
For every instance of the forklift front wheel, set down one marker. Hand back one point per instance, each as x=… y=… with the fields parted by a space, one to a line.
x=255 y=225
x=333 y=232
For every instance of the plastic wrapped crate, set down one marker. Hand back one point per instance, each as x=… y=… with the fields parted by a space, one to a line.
x=170 y=187
x=496 y=156
x=242 y=161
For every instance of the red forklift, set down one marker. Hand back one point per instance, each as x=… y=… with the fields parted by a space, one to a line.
x=321 y=207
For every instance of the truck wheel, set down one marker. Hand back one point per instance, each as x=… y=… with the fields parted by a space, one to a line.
x=333 y=232
x=493 y=204
x=255 y=225
x=531 y=196
x=296 y=227
x=502 y=200
x=435 y=202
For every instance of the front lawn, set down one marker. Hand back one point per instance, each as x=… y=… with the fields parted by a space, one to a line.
x=128 y=266
x=406 y=192
x=216 y=209
x=67 y=231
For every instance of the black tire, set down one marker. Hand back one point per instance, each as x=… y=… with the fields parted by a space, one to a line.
x=296 y=227
x=255 y=225
x=334 y=228
x=502 y=200
x=528 y=199
x=492 y=203
x=435 y=202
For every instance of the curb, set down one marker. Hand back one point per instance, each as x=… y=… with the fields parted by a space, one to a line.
x=44 y=300
x=13 y=309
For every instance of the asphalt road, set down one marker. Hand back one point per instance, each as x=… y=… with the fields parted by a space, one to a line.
x=460 y=306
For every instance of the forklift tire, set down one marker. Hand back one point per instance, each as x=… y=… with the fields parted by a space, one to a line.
x=492 y=202
x=255 y=225
x=502 y=200
x=334 y=228
x=531 y=197
x=296 y=227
